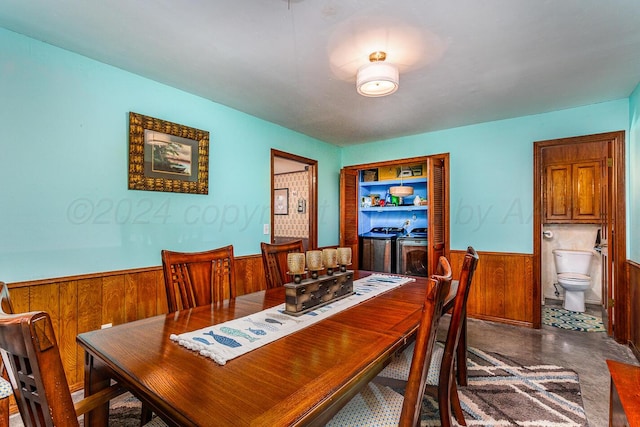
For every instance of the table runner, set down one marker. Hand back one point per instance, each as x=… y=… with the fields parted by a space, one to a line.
x=225 y=341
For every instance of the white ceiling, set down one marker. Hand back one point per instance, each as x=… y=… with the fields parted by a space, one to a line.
x=294 y=62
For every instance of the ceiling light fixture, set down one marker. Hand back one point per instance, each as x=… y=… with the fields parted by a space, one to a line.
x=377 y=78
x=402 y=190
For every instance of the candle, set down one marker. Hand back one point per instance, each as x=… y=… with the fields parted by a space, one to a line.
x=314 y=262
x=330 y=258
x=344 y=256
x=295 y=262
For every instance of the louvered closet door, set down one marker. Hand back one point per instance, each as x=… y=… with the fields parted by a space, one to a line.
x=349 y=213
x=436 y=212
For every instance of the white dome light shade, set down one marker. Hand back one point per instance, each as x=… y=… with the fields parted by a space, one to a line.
x=377 y=79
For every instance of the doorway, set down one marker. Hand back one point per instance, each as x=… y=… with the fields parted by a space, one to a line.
x=294 y=199
x=579 y=186
x=357 y=216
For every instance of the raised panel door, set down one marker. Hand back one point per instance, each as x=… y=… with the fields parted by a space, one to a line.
x=586 y=191
x=558 y=193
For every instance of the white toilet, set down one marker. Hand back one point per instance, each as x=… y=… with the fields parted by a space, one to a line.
x=573 y=268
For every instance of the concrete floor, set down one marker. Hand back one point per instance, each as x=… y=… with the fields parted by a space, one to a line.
x=583 y=352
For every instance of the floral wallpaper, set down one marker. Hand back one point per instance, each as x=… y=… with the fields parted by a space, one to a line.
x=294 y=224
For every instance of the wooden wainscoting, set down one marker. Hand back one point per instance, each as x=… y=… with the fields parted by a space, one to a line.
x=84 y=303
x=502 y=291
x=502 y=288
x=633 y=319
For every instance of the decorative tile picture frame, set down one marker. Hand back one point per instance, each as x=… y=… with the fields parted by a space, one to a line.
x=166 y=156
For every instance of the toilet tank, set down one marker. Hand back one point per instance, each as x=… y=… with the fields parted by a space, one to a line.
x=572 y=261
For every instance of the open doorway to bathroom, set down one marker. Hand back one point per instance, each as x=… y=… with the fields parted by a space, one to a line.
x=294 y=200
x=579 y=204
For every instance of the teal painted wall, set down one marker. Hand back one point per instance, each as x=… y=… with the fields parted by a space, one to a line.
x=66 y=209
x=491 y=168
x=633 y=183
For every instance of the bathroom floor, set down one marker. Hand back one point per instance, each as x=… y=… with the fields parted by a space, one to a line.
x=592 y=309
x=583 y=352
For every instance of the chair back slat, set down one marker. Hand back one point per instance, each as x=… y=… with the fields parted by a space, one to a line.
x=221 y=271
x=274 y=260
x=193 y=279
x=426 y=336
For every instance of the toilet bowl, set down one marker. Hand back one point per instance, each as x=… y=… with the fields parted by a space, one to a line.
x=573 y=268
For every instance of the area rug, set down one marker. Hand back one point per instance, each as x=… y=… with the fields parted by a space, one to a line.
x=124 y=411
x=503 y=392
x=565 y=319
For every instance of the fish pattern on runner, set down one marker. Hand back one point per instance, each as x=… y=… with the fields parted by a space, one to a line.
x=237 y=333
x=229 y=342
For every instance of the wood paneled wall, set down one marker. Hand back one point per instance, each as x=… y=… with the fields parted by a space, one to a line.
x=502 y=287
x=83 y=303
x=633 y=315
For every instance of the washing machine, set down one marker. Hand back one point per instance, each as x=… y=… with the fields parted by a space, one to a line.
x=378 y=249
x=411 y=253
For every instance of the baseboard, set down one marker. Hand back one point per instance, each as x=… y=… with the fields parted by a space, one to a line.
x=502 y=320
x=635 y=350
x=586 y=301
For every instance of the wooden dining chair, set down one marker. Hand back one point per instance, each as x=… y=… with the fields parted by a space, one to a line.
x=379 y=405
x=274 y=259
x=441 y=380
x=193 y=279
x=5 y=386
x=5 y=300
x=32 y=358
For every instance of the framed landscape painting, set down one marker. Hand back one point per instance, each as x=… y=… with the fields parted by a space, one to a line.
x=166 y=156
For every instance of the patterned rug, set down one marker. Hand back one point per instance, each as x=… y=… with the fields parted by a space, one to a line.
x=124 y=411
x=565 y=319
x=502 y=392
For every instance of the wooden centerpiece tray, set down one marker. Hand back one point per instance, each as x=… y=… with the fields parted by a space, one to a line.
x=310 y=294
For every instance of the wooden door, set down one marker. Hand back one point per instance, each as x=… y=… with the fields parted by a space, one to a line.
x=438 y=217
x=558 y=195
x=586 y=191
x=349 y=213
x=607 y=240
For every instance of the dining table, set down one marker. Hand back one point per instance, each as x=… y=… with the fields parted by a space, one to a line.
x=303 y=378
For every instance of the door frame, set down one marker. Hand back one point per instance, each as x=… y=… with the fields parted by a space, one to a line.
x=616 y=219
x=421 y=159
x=312 y=204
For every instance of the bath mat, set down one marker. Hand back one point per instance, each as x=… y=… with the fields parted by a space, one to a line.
x=565 y=319
x=502 y=391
